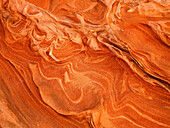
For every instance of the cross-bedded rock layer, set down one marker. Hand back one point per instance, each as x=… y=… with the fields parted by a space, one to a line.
x=84 y=63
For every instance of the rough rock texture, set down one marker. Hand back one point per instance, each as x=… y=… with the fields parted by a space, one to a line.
x=85 y=63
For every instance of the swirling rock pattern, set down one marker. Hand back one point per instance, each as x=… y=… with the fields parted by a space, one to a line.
x=84 y=64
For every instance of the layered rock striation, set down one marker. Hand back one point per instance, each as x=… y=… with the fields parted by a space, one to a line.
x=84 y=64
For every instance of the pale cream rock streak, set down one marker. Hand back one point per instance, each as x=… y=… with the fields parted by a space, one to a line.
x=57 y=59
x=92 y=42
x=97 y=74
x=108 y=124
x=82 y=22
x=38 y=37
x=73 y=101
x=92 y=5
x=74 y=36
x=51 y=54
x=117 y=12
x=66 y=77
x=37 y=14
x=133 y=66
x=73 y=72
x=50 y=31
x=33 y=66
x=136 y=110
x=124 y=86
x=78 y=78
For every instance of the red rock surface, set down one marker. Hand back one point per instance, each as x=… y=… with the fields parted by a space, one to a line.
x=84 y=63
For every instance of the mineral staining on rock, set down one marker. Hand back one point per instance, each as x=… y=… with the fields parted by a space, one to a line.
x=84 y=64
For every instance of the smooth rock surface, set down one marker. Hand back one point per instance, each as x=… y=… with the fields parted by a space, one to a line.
x=85 y=64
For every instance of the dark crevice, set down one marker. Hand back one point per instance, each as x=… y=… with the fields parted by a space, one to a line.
x=166 y=84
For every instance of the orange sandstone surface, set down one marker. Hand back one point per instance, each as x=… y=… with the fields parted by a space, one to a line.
x=84 y=64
